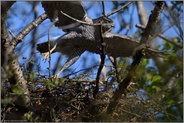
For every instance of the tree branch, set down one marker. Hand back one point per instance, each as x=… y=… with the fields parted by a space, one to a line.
x=16 y=76
x=142 y=13
x=5 y=6
x=114 y=61
x=102 y=56
x=82 y=22
x=11 y=46
x=103 y=8
x=123 y=85
x=30 y=27
x=16 y=73
x=153 y=18
x=96 y=24
x=163 y=37
x=136 y=58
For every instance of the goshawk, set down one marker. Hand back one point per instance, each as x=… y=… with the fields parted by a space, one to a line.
x=80 y=37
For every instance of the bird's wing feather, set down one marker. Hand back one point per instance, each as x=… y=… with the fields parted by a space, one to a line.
x=120 y=45
x=44 y=47
x=74 y=9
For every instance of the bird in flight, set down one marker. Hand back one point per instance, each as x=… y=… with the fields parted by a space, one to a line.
x=82 y=34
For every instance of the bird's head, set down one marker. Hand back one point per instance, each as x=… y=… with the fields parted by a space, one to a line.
x=107 y=23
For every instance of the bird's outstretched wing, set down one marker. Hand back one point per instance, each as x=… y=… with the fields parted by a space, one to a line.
x=120 y=45
x=43 y=47
x=74 y=9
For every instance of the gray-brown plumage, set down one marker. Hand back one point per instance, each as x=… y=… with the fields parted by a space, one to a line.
x=81 y=37
x=72 y=8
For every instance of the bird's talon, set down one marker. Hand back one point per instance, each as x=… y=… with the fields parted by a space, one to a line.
x=54 y=76
x=46 y=55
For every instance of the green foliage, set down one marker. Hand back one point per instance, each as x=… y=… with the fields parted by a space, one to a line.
x=7 y=100
x=28 y=116
x=51 y=83
x=32 y=75
x=16 y=89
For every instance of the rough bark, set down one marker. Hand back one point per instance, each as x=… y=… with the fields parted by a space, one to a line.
x=13 y=71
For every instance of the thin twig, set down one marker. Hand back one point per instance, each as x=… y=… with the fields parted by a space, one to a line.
x=103 y=8
x=34 y=36
x=96 y=24
x=134 y=114
x=49 y=46
x=115 y=64
x=80 y=71
x=12 y=34
x=119 y=9
x=163 y=37
x=49 y=50
x=13 y=37
x=83 y=22
x=175 y=20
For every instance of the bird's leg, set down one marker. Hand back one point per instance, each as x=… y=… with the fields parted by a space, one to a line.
x=69 y=62
x=46 y=54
